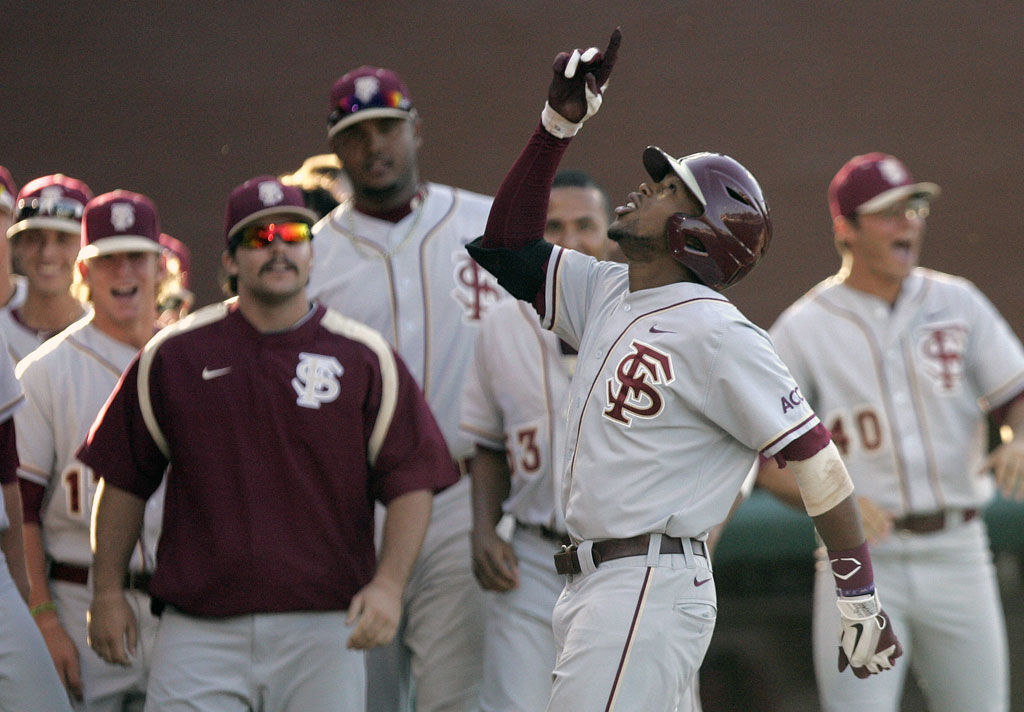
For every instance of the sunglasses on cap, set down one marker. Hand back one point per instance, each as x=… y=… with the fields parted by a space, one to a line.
x=60 y=208
x=256 y=237
x=381 y=100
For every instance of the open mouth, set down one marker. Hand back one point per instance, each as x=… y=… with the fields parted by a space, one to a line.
x=125 y=292
x=630 y=205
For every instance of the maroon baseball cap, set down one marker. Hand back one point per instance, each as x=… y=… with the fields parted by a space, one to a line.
x=259 y=198
x=368 y=93
x=53 y=202
x=873 y=182
x=8 y=191
x=120 y=221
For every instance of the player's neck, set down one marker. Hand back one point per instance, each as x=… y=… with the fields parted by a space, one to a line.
x=268 y=315
x=49 y=312
x=135 y=332
x=656 y=273
x=390 y=208
x=885 y=288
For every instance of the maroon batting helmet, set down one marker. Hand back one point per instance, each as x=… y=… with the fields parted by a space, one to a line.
x=723 y=244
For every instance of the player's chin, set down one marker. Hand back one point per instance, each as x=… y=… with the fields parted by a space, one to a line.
x=618 y=232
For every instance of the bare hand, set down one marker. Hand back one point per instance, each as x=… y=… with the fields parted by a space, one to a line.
x=1007 y=463
x=578 y=73
x=62 y=651
x=494 y=561
x=876 y=521
x=113 y=630
x=378 y=606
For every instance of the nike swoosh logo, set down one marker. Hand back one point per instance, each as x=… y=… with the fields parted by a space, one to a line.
x=698 y=582
x=209 y=373
x=656 y=330
x=860 y=632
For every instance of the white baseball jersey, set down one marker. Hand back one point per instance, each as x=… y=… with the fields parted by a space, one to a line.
x=414 y=282
x=674 y=388
x=21 y=340
x=514 y=399
x=904 y=390
x=11 y=398
x=66 y=382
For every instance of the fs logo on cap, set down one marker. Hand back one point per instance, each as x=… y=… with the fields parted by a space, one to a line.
x=366 y=88
x=49 y=197
x=122 y=216
x=270 y=193
x=893 y=171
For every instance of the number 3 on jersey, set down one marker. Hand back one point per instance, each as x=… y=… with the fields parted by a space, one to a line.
x=79 y=482
x=860 y=430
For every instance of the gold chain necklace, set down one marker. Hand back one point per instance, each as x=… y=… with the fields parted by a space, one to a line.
x=419 y=200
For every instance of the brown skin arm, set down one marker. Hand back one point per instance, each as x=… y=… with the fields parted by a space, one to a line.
x=116 y=524
x=12 y=541
x=1007 y=460
x=378 y=605
x=494 y=561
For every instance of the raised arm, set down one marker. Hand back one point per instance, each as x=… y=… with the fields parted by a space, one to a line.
x=512 y=246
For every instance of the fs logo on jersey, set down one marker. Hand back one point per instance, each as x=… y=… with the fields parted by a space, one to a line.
x=632 y=392
x=475 y=289
x=270 y=193
x=942 y=350
x=122 y=216
x=316 y=379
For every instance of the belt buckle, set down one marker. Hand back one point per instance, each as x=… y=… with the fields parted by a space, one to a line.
x=567 y=561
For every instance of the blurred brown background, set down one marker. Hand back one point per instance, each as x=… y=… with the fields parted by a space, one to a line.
x=182 y=101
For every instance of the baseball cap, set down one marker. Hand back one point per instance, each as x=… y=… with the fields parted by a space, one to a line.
x=8 y=190
x=259 y=198
x=119 y=221
x=54 y=202
x=873 y=182
x=368 y=93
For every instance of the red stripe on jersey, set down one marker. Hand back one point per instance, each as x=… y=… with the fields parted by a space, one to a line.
x=630 y=639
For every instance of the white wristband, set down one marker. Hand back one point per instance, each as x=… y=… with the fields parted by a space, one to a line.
x=859 y=608
x=556 y=124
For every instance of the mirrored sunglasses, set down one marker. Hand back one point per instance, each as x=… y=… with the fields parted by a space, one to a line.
x=256 y=237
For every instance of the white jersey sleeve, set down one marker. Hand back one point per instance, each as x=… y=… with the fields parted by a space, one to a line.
x=11 y=395
x=572 y=281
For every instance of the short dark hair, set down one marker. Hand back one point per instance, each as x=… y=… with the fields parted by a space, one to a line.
x=575 y=178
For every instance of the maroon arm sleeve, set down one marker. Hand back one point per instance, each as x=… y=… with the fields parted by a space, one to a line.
x=8 y=453
x=512 y=247
x=999 y=414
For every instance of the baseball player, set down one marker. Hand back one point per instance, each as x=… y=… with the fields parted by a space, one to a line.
x=66 y=383
x=904 y=363
x=393 y=257
x=45 y=239
x=12 y=286
x=513 y=409
x=674 y=394
x=28 y=681
x=281 y=422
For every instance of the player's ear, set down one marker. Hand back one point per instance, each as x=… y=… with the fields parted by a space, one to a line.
x=228 y=260
x=843 y=229
x=83 y=269
x=417 y=131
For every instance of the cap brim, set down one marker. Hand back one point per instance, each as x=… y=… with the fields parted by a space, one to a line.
x=382 y=112
x=894 y=195
x=45 y=223
x=121 y=243
x=303 y=214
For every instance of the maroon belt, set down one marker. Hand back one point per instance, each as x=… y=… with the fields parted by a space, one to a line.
x=567 y=561
x=73 y=573
x=933 y=521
